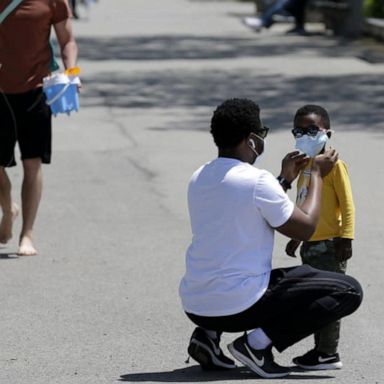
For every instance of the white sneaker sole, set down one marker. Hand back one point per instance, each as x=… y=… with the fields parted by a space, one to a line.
x=321 y=367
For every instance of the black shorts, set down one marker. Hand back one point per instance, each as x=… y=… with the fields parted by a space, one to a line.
x=25 y=118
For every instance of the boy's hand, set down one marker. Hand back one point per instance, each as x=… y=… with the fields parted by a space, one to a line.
x=325 y=162
x=292 y=164
x=291 y=247
x=343 y=248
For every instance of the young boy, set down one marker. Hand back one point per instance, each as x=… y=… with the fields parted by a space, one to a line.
x=331 y=245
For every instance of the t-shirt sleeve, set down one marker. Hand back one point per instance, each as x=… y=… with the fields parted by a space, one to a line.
x=60 y=11
x=344 y=195
x=273 y=203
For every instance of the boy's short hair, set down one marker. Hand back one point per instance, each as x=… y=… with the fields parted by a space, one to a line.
x=315 y=109
x=233 y=121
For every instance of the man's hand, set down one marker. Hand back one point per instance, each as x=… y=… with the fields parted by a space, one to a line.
x=325 y=162
x=343 y=248
x=292 y=164
x=291 y=247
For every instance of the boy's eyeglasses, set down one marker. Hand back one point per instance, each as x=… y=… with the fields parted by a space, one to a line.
x=311 y=131
x=263 y=132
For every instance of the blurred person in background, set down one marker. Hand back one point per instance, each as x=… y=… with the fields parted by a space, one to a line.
x=294 y=8
x=73 y=4
x=25 y=59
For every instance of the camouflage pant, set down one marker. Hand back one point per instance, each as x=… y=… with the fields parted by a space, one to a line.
x=322 y=255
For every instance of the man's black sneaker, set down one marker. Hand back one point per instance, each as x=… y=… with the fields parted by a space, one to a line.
x=207 y=352
x=297 y=31
x=314 y=360
x=259 y=361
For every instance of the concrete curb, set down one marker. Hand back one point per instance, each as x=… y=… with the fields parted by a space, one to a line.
x=374 y=27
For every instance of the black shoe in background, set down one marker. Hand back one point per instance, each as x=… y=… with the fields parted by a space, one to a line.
x=297 y=31
x=207 y=352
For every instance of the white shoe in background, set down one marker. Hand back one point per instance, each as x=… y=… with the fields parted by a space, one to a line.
x=253 y=22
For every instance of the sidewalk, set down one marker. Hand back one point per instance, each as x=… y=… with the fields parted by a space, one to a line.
x=99 y=304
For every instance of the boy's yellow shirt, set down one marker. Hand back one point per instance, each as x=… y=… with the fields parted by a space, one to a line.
x=337 y=213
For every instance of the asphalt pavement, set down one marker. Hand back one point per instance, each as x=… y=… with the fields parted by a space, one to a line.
x=99 y=304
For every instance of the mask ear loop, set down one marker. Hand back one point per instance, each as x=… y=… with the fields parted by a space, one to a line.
x=252 y=144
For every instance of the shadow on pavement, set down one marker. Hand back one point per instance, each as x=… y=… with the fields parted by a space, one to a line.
x=188 y=47
x=354 y=100
x=8 y=256
x=195 y=374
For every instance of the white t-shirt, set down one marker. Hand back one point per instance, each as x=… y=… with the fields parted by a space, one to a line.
x=233 y=208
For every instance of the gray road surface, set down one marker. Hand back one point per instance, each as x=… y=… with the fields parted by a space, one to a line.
x=100 y=304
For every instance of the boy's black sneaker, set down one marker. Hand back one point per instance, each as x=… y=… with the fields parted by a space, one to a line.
x=207 y=352
x=314 y=360
x=259 y=361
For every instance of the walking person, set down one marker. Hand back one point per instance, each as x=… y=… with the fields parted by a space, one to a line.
x=330 y=246
x=25 y=57
x=229 y=284
x=295 y=8
x=73 y=4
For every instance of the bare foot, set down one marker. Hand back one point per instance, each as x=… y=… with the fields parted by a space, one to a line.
x=26 y=247
x=7 y=223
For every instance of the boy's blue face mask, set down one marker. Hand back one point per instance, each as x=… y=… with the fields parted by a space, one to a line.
x=311 y=145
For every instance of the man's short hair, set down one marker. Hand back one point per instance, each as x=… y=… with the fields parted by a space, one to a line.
x=316 y=110
x=233 y=121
